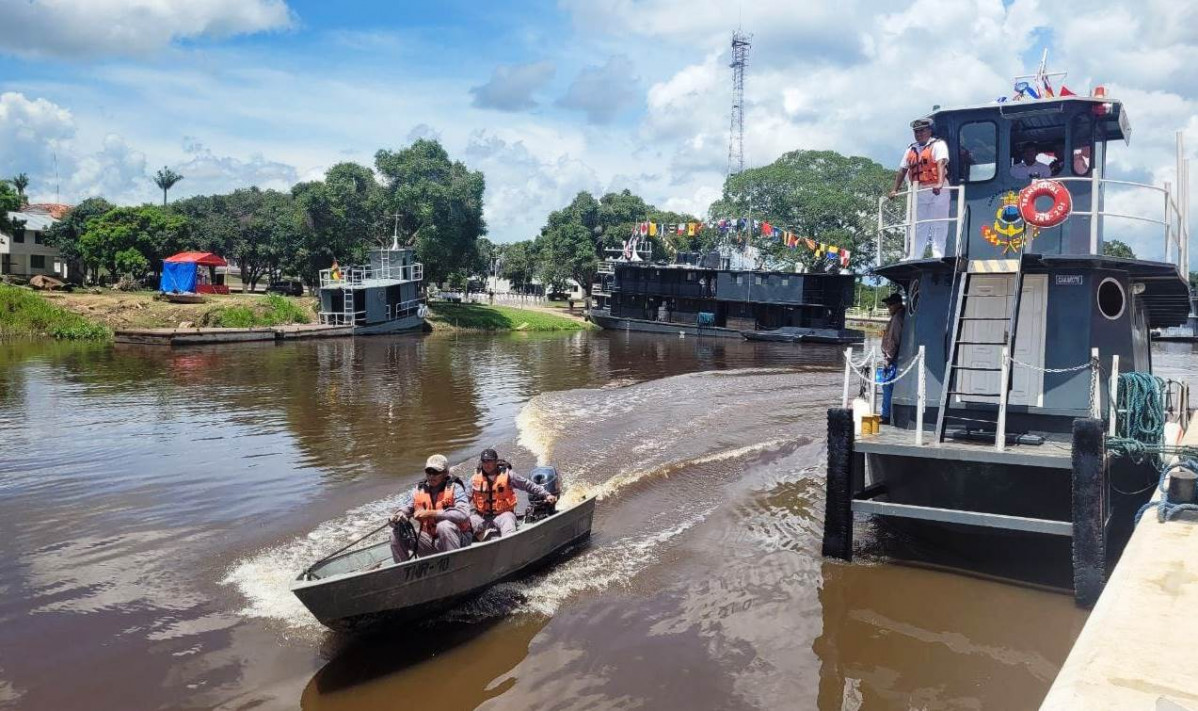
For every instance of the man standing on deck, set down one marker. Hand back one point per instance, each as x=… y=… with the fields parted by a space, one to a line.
x=440 y=510
x=925 y=165
x=493 y=496
x=891 y=340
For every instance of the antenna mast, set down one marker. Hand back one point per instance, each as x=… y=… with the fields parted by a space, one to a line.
x=741 y=42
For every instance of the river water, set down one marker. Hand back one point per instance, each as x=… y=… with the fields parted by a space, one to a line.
x=155 y=503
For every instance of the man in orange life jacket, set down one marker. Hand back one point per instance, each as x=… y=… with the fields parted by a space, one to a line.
x=440 y=509
x=925 y=165
x=493 y=496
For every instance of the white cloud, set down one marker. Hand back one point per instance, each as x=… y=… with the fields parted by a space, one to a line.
x=31 y=132
x=86 y=28
x=511 y=87
x=602 y=93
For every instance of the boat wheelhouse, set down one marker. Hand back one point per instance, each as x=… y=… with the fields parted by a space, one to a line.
x=1014 y=342
x=699 y=295
x=383 y=296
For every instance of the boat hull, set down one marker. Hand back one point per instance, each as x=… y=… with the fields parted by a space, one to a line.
x=806 y=335
x=417 y=588
x=407 y=323
x=605 y=320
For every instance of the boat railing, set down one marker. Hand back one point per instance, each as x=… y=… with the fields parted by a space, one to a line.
x=890 y=228
x=1170 y=220
x=356 y=277
x=867 y=371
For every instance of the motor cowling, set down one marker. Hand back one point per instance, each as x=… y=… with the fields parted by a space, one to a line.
x=539 y=508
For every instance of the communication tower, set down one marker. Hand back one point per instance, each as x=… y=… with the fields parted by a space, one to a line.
x=741 y=42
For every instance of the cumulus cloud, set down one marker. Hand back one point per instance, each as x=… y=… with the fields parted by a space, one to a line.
x=602 y=93
x=89 y=28
x=522 y=186
x=511 y=87
x=31 y=132
x=206 y=172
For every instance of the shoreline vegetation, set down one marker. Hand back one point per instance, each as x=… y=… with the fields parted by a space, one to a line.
x=93 y=315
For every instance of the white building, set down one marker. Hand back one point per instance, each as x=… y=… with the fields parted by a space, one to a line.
x=25 y=252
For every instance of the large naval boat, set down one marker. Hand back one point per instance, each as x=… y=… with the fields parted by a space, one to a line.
x=1018 y=347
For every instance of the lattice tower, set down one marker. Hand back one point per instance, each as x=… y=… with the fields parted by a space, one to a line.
x=741 y=42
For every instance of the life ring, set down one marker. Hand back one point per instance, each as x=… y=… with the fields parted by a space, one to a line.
x=1062 y=203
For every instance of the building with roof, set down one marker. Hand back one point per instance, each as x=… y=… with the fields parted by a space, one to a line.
x=25 y=252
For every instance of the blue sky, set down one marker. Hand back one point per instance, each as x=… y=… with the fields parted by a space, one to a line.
x=547 y=98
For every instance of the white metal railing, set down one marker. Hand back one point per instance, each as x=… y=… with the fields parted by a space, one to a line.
x=359 y=276
x=871 y=359
x=349 y=316
x=909 y=225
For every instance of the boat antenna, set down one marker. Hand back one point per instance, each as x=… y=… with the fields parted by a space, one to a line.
x=395 y=233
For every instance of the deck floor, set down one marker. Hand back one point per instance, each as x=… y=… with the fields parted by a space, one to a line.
x=895 y=441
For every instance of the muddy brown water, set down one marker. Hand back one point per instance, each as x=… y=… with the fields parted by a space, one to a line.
x=155 y=503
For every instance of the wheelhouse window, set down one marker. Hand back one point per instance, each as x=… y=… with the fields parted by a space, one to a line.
x=1037 y=146
x=1081 y=138
x=978 y=146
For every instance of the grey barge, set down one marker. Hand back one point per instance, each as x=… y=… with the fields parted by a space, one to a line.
x=710 y=300
x=1011 y=354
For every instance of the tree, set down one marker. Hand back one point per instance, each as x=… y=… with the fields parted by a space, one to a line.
x=258 y=229
x=342 y=216
x=20 y=183
x=818 y=194
x=65 y=234
x=518 y=263
x=10 y=201
x=150 y=231
x=1115 y=248
x=439 y=203
x=166 y=179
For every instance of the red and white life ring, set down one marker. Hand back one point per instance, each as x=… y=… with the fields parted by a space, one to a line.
x=1062 y=203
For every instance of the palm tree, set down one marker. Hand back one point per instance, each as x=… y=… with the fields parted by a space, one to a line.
x=166 y=179
x=20 y=183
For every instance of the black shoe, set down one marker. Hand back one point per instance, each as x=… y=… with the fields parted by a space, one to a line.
x=884 y=421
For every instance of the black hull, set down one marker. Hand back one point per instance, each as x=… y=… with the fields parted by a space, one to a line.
x=615 y=323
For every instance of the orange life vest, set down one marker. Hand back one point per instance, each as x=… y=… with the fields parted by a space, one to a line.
x=922 y=168
x=493 y=499
x=423 y=501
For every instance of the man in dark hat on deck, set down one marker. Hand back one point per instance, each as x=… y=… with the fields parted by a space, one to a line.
x=891 y=340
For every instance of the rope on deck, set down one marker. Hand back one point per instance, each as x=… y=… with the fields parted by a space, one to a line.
x=1166 y=510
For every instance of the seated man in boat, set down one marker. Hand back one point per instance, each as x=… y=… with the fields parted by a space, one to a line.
x=493 y=496
x=441 y=510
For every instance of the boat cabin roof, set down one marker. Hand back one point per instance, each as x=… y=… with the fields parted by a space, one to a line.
x=1043 y=116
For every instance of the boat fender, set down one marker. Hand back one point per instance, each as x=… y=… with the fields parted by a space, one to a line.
x=422 y=311
x=1062 y=203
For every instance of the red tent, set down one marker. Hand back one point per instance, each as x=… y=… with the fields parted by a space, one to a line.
x=199 y=259
x=207 y=259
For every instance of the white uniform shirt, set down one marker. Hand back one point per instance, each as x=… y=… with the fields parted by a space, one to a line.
x=939 y=153
x=1037 y=170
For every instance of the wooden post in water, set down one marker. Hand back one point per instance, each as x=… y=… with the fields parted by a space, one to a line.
x=1089 y=511
x=838 y=504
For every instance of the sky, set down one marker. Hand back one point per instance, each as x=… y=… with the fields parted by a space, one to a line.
x=546 y=97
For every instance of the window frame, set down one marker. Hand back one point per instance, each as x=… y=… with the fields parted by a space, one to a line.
x=33 y=257
x=962 y=172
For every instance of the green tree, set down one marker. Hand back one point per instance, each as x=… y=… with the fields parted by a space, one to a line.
x=10 y=201
x=518 y=263
x=131 y=263
x=166 y=179
x=1115 y=248
x=342 y=216
x=65 y=234
x=150 y=231
x=439 y=204
x=818 y=194
x=20 y=182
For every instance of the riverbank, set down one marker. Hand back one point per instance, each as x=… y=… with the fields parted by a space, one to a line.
x=477 y=317
x=94 y=314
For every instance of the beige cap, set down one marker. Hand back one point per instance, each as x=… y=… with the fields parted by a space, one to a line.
x=437 y=463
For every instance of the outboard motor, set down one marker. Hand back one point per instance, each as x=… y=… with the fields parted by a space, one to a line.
x=538 y=508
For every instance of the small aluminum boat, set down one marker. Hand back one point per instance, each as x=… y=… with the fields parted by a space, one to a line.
x=363 y=586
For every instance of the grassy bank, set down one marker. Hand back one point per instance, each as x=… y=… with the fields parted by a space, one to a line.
x=274 y=310
x=476 y=317
x=25 y=314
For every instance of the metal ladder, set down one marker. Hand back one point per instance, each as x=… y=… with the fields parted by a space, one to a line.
x=348 y=315
x=953 y=368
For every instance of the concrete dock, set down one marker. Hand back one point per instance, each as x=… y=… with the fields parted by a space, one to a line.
x=1138 y=647
x=208 y=336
